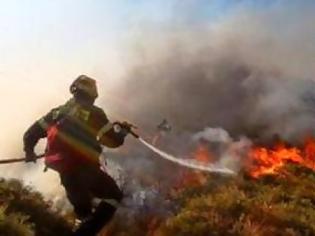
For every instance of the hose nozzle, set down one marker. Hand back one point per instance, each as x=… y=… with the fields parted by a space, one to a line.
x=128 y=127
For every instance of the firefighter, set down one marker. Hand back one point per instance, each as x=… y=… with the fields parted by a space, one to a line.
x=75 y=134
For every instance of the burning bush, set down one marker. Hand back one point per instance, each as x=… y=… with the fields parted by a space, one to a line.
x=264 y=161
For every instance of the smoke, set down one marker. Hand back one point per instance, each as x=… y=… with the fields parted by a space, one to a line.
x=230 y=153
x=250 y=72
x=213 y=135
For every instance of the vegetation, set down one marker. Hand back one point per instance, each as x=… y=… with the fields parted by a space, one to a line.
x=24 y=212
x=282 y=204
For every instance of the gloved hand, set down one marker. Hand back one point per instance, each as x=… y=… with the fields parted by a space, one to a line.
x=30 y=156
x=128 y=128
x=122 y=127
x=125 y=128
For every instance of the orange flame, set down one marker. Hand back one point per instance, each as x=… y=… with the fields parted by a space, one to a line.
x=195 y=178
x=202 y=154
x=263 y=161
x=260 y=161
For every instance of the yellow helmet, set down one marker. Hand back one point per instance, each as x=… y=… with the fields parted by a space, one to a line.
x=84 y=85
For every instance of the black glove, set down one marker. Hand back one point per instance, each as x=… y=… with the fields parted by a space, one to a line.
x=125 y=128
x=30 y=156
x=128 y=129
x=122 y=128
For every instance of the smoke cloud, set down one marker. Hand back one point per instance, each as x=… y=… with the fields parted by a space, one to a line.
x=250 y=72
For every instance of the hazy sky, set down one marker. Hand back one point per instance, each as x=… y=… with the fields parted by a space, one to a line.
x=45 y=44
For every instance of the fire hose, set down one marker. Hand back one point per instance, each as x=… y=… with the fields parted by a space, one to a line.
x=9 y=161
x=192 y=164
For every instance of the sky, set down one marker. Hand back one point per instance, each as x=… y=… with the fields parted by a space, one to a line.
x=56 y=40
x=45 y=45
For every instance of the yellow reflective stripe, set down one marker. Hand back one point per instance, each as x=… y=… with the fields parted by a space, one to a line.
x=83 y=115
x=55 y=114
x=104 y=130
x=43 y=124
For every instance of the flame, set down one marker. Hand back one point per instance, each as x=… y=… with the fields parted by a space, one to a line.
x=260 y=160
x=202 y=154
x=195 y=178
x=264 y=161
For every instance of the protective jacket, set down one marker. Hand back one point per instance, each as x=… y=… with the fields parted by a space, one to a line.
x=74 y=134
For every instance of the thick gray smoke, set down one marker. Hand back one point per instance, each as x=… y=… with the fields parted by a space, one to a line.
x=250 y=73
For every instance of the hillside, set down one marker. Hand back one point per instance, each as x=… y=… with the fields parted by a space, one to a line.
x=282 y=204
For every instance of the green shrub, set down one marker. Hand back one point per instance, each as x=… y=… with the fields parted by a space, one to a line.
x=25 y=212
x=272 y=205
x=14 y=224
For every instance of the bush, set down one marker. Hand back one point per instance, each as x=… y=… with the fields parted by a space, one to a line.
x=14 y=224
x=273 y=205
x=25 y=212
x=240 y=206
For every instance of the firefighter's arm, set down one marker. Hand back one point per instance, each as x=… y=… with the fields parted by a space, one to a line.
x=107 y=135
x=111 y=137
x=34 y=133
x=30 y=139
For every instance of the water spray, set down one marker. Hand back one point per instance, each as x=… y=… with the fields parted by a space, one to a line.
x=192 y=164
